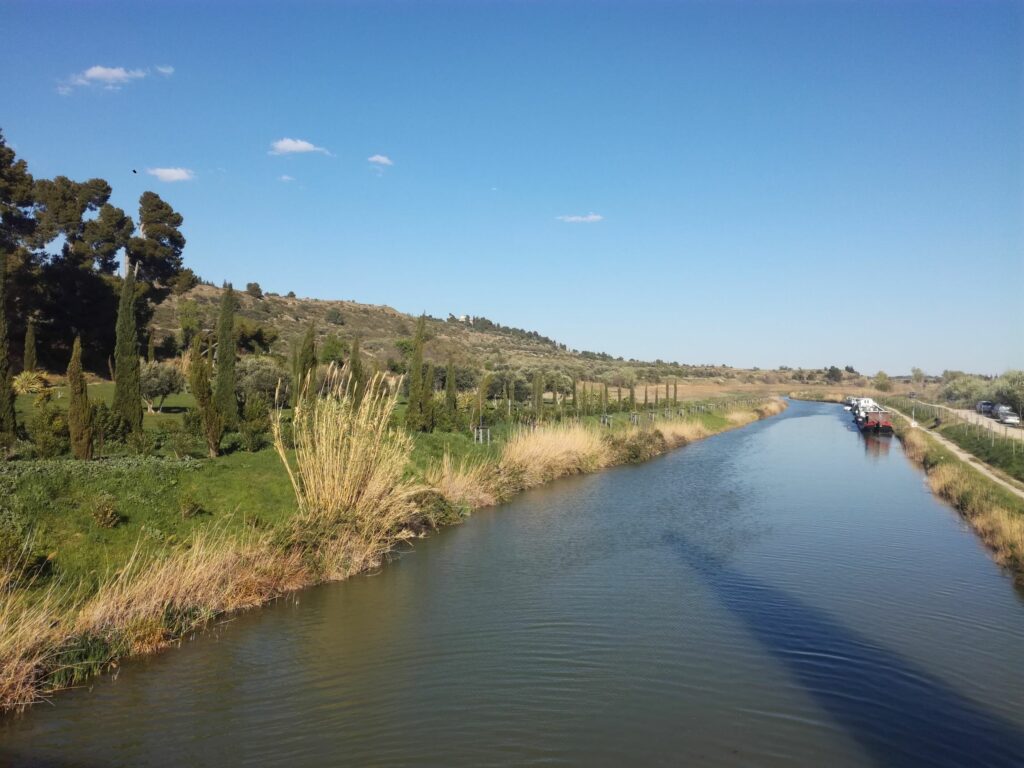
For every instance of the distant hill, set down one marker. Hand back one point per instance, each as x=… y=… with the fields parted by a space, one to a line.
x=384 y=334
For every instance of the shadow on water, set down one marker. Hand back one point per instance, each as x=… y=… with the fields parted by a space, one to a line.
x=901 y=714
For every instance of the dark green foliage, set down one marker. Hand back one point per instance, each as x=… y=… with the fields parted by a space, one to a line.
x=79 y=410
x=334 y=317
x=304 y=365
x=538 y=392
x=254 y=290
x=29 y=355
x=158 y=251
x=210 y=420
x=255 y=423
x=184 y=281
x=224 y=389
x=48 y=427
x=151 y=349
x=253 y=337
x=333 y=350
x=356 y=373
x=451 y=399
x=636 y=446
x=834 y=374
x=416 y=420
x=189 y=321
x=127 y=390
x=8 y=425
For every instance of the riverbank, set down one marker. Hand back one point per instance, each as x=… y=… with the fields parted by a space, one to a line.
x=57 y=632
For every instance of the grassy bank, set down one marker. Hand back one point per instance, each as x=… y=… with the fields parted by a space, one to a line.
x=996 y=514
x=125 y=555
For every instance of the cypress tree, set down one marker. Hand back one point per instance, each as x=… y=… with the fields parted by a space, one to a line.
x=224 y=387
x=29 y=358
x=414 y=416
x=427 y=405
x=355 y=371
x=303 y=362
x=151 y=349
x=451 y=398
x=632 y=398
x=7 y=421
x=645 y=397
x=210 y=417
x=604 y=399
x=79 y=412
x=538 y=393
x=127 y=378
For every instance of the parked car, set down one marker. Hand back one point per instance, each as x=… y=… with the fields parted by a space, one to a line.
x=1004 y=415
x=985 y=406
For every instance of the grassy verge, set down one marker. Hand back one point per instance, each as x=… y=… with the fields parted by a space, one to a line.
x=121 y=556
x=996 y=514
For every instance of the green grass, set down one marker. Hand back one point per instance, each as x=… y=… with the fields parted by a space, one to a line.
x=1002 y=453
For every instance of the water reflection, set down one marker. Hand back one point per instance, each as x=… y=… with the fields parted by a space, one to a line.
x=876 y=446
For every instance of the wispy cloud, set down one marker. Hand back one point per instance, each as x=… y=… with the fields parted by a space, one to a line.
x=109 y=78
x=172 y=174
x=590 y=218
x=379 y=160
x=294 y=146
x=285 y=177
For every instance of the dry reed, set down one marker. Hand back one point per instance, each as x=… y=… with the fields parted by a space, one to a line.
x=468 y=484
x=354 y=501
x=537 y=456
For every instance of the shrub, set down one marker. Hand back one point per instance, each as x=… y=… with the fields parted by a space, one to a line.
x=104 y=512
x=142 y=443
x=29 y=383
x=255 y=423
x=48 y=428
x=259 y=376
x=254 y=290
x=334 y=317
x=189 y=506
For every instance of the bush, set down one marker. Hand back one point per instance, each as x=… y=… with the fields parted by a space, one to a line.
x=255 y=423
x=142 y=443
x=176 y=438
x=334 y=317
x=254 y=290
x=107 y=425
x=48 y=428
x=104 y=512
x=190 y=506
x=259 y=377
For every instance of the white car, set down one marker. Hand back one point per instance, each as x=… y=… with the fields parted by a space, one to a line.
x=1004 y=415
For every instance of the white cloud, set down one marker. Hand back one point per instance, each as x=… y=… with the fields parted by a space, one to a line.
x=294 y=146
x=109 y=78
x=589 y=218
x=171 y=174
x=379 y=160
x=286 y=177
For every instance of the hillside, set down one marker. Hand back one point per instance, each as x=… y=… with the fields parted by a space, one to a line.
x=383 y=332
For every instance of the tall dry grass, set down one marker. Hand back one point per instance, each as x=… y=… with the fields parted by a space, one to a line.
x=679 y=432
x=30 y=638
x=534 y=457
x=348 y=475
x=468 y=484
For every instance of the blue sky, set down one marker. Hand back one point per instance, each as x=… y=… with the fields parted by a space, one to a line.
x=749 y=183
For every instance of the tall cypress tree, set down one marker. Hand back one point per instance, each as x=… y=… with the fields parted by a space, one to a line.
x=303 y=362
x=210 y=417
x=127 y=377
x=79 y=412
x=414 y=416
x=427 y=403
x=7 y=422
x=451 y=398
x=224 y=387
x=604 y=399
x=356 y=372
x=29 y=358
x=151 y=349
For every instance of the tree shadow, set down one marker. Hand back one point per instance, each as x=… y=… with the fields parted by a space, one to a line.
x=901 y=714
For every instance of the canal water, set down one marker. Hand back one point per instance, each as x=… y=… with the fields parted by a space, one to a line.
x=787 y=594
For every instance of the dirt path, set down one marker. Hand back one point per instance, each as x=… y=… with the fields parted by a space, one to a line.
x=969 y=458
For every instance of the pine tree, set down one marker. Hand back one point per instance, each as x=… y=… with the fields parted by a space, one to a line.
x=210 y=417
x=355 y=371
x=414 y=416
x=451 y=398
x=29 y=358
x=79 y=411
x=127 y=376
x=7 y=422
x=224 y=388
x=303 y=363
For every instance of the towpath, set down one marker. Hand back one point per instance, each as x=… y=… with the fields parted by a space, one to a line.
x=969 y=458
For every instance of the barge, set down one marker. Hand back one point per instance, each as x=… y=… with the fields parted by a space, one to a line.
x=869 y=416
